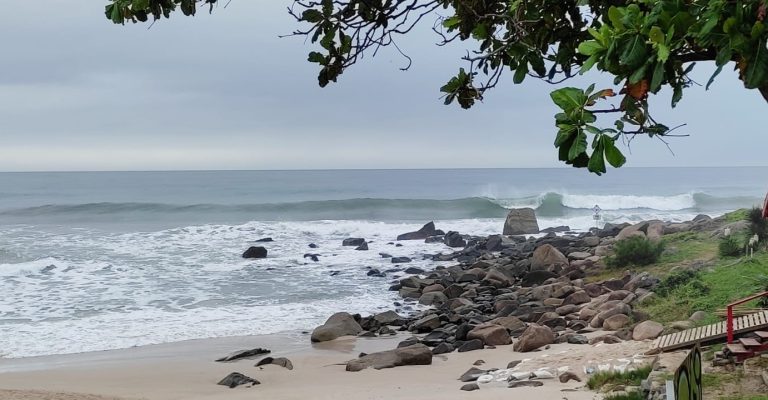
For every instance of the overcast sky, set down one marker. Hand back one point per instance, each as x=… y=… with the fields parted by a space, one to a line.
x=222 y=91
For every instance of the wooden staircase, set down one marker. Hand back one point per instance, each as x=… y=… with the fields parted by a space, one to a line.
x=747 y=347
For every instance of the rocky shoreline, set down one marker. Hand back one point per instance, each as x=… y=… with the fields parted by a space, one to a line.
x=504 y=289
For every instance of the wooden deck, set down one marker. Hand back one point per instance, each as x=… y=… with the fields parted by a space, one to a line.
x=707 y=333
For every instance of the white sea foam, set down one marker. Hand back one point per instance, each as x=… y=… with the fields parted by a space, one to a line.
x=627 y=202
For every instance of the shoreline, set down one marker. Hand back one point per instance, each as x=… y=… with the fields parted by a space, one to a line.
x=186 y=370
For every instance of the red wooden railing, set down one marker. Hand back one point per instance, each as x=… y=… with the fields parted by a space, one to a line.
x=730 y=312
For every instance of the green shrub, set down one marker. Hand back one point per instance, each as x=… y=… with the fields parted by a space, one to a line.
x=629 y=396
x=757 y=224
x=614 y=378
x=730 y=247
x=674 y=280
x=635 y=250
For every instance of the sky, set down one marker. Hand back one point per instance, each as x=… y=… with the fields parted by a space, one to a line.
x=223 y=91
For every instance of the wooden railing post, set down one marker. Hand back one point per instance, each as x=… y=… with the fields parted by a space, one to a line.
x=730 y=324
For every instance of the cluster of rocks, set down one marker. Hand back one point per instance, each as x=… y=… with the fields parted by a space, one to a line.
x=236 y=379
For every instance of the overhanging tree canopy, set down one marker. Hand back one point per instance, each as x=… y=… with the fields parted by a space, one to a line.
x=645 y=44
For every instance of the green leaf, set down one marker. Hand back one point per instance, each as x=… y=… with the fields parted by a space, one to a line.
x=757 y=69
x=312 y=16
x=712 y=78
x=612 y=154
x=579 y=145
x=569 y=98
x=615 y=16
x=316 y=57
x=656 y=35
x=677 y=94
x=757 y=29
x=639 y=74
x=589 y=63
x=520 y=72
x=662 y=52
x=657 y=78
x=590 y=47
x=596 y=161
x=565 y=133
x=728 y=24
x=451 y=22
x=634 y=53
x=139 y=5
x=597 y=35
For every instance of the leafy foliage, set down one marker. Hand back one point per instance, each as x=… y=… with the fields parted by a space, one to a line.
x=646 y=45
x=730 y=246
x=635 y=250
x=615 y=378
x=757 y=224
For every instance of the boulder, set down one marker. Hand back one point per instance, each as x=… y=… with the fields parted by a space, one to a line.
x=433 y=288
x=633 y=230
x=280 y=361
x=616 y=322
x=472 y=374
x=243 y=354
x=471 y=345
x=547 y=257
x=568 y=376
x=417 y=354
x=255 y=252
x=265 y=240
x=400 y=260
x=647 y=330
x=512 y=324
x=490 y=334
x=533 y=337
x=362 y=246
x=470 y=387
x=521 y=221
x=443 y=348
x=236 y=379
x=579 y=297
x=339 y=324
x=426 y=231
x=537 y=278
x=579 y=255
x=388 y=318
x=454 y=239
x=436 y=299
x=352 y=242
x=655 y=231
x=518 y=384
x=426 y=324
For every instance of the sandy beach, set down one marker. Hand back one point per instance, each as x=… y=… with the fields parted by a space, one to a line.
x=186 y=370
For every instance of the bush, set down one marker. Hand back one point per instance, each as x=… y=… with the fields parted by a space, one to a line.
x=635 y=250
x=757 y=224
x=674 y=280
x=730 y=247
x=614 y=378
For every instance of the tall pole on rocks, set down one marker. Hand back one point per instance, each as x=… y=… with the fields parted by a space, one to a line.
x=596 y=217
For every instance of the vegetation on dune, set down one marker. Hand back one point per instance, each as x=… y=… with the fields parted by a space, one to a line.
x=615 y=378
x=635 y=250
x=645 y=45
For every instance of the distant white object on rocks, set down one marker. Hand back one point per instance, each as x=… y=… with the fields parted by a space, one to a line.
x=543 y=373
x=727 y=232
x=485 y=379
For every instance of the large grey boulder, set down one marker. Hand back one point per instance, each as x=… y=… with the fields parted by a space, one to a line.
x=417 y=354
x=547 y=257
x=255 y=252
x=490 y=334
x=426 y=231
x=533 y=337
x=521 y=221
x=338 y=325
x=647 y=330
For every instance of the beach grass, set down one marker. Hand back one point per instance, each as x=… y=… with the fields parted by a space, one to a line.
x=615 y=378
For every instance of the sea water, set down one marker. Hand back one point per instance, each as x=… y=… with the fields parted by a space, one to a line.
x=104 y=260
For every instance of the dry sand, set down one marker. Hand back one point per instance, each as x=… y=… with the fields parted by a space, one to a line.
x=186 y=371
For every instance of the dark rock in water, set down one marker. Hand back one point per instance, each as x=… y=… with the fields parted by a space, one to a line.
x=494 y=243
x=313 y=246
x=385 y=255
x=236 y=379
x=339 y=324
x=264 y=240
x=414 y=270
x=334 y=273
x=375 y=272
x=426 y=231
x=243 y=354
x=435 y=239
x=537 y=277
x=454 y=239
x=517 y=384
x=562 y=228
x=313 y=257
x=48 y=269
x=513 y=364
x=400 y=260
x=363 y=246
x=408 y=342
x=474 y=344
x=470 y=387
x=398 y=245
x=280 y=361
x=255 y=252
x=417 y=354
x=352 y=242
x=568 y=376
x=443 y=348
x=472 y=374
x=521 y=221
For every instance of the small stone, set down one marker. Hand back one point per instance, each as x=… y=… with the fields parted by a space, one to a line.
x=470 y=387
x=236 y=379
x=517 y=384
x=513 y=364
x=568 y=376
x=472 y=374
x=478 y=362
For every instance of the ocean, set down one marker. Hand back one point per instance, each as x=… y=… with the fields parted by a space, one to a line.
x=104 y=260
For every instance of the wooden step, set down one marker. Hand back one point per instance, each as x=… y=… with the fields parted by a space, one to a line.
x=736 y=348
x=749 y=342
x=761 y=334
